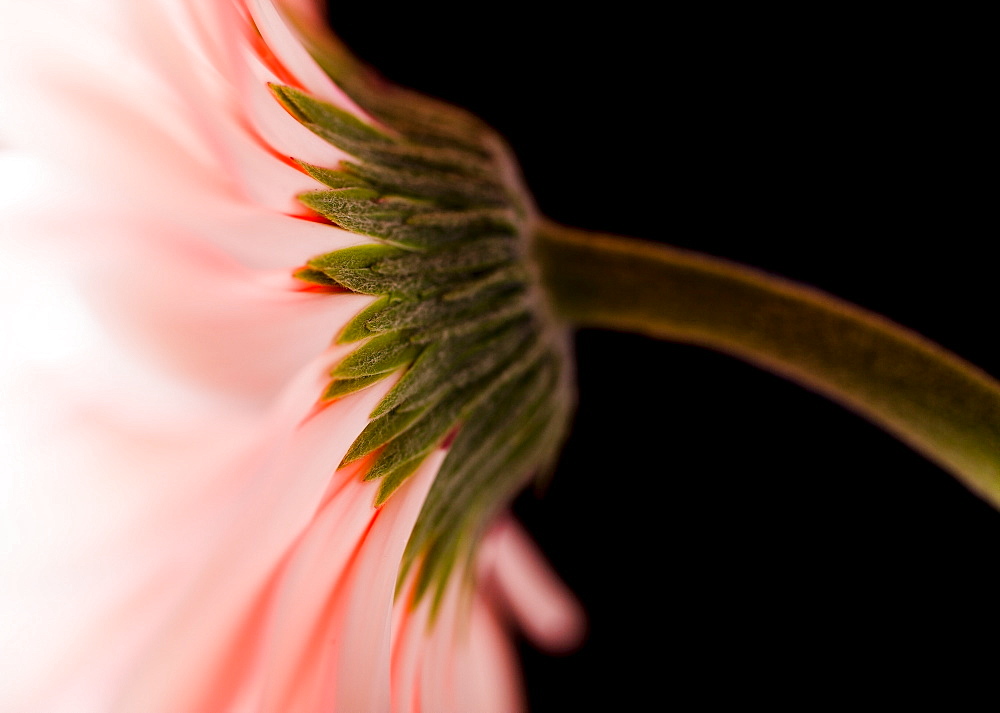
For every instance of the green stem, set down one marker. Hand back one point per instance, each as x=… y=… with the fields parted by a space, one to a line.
x=941 y=406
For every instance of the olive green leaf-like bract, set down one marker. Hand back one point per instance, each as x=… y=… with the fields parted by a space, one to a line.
x=459 y=318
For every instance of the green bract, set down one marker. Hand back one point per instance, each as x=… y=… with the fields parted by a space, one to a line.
x=460 y=319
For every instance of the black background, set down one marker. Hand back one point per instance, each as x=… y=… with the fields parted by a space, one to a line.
x=733 y=536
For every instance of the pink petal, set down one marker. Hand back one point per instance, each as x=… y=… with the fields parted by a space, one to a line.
x=526 y=586
x=294 y=57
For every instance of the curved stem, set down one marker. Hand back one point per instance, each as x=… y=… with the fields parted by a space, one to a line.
x=938 y=404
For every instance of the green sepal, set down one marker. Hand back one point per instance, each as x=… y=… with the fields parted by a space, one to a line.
x=455 y=363
x=421 y=437
x=440 y=561
x=533 y=429
x=380 y=355
x=335 y=178
x=437 y=559
x=347 y=204
x=414 y=156
x=444 y=316
x=444 y=188
x=326 y=119
x=307 y=274
x=482 y=313
x=472 y=257
x=407 y=222
x=392 y=480
x=350 y=134
x=485 y=432
x=426 y=431
x=351 y=267
x=364 y=211
x=384 y=270
x=430 y=368
x=411 y=287
x=432 y=123
x=356 y=258
x=463 y=395
x=382 y=430
x=505 y=440
x=412 y=275
x=510 y=275
x=453 y=225
x=343 y=387
x=335 y=203
x=477 y=502
x=357 y=329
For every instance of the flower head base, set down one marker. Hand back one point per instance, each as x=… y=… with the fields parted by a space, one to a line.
x=459 y=317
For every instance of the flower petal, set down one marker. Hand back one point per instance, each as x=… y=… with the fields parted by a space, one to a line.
x=523 y=580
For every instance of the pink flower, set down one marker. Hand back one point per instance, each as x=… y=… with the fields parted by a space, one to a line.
x=177 y=535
